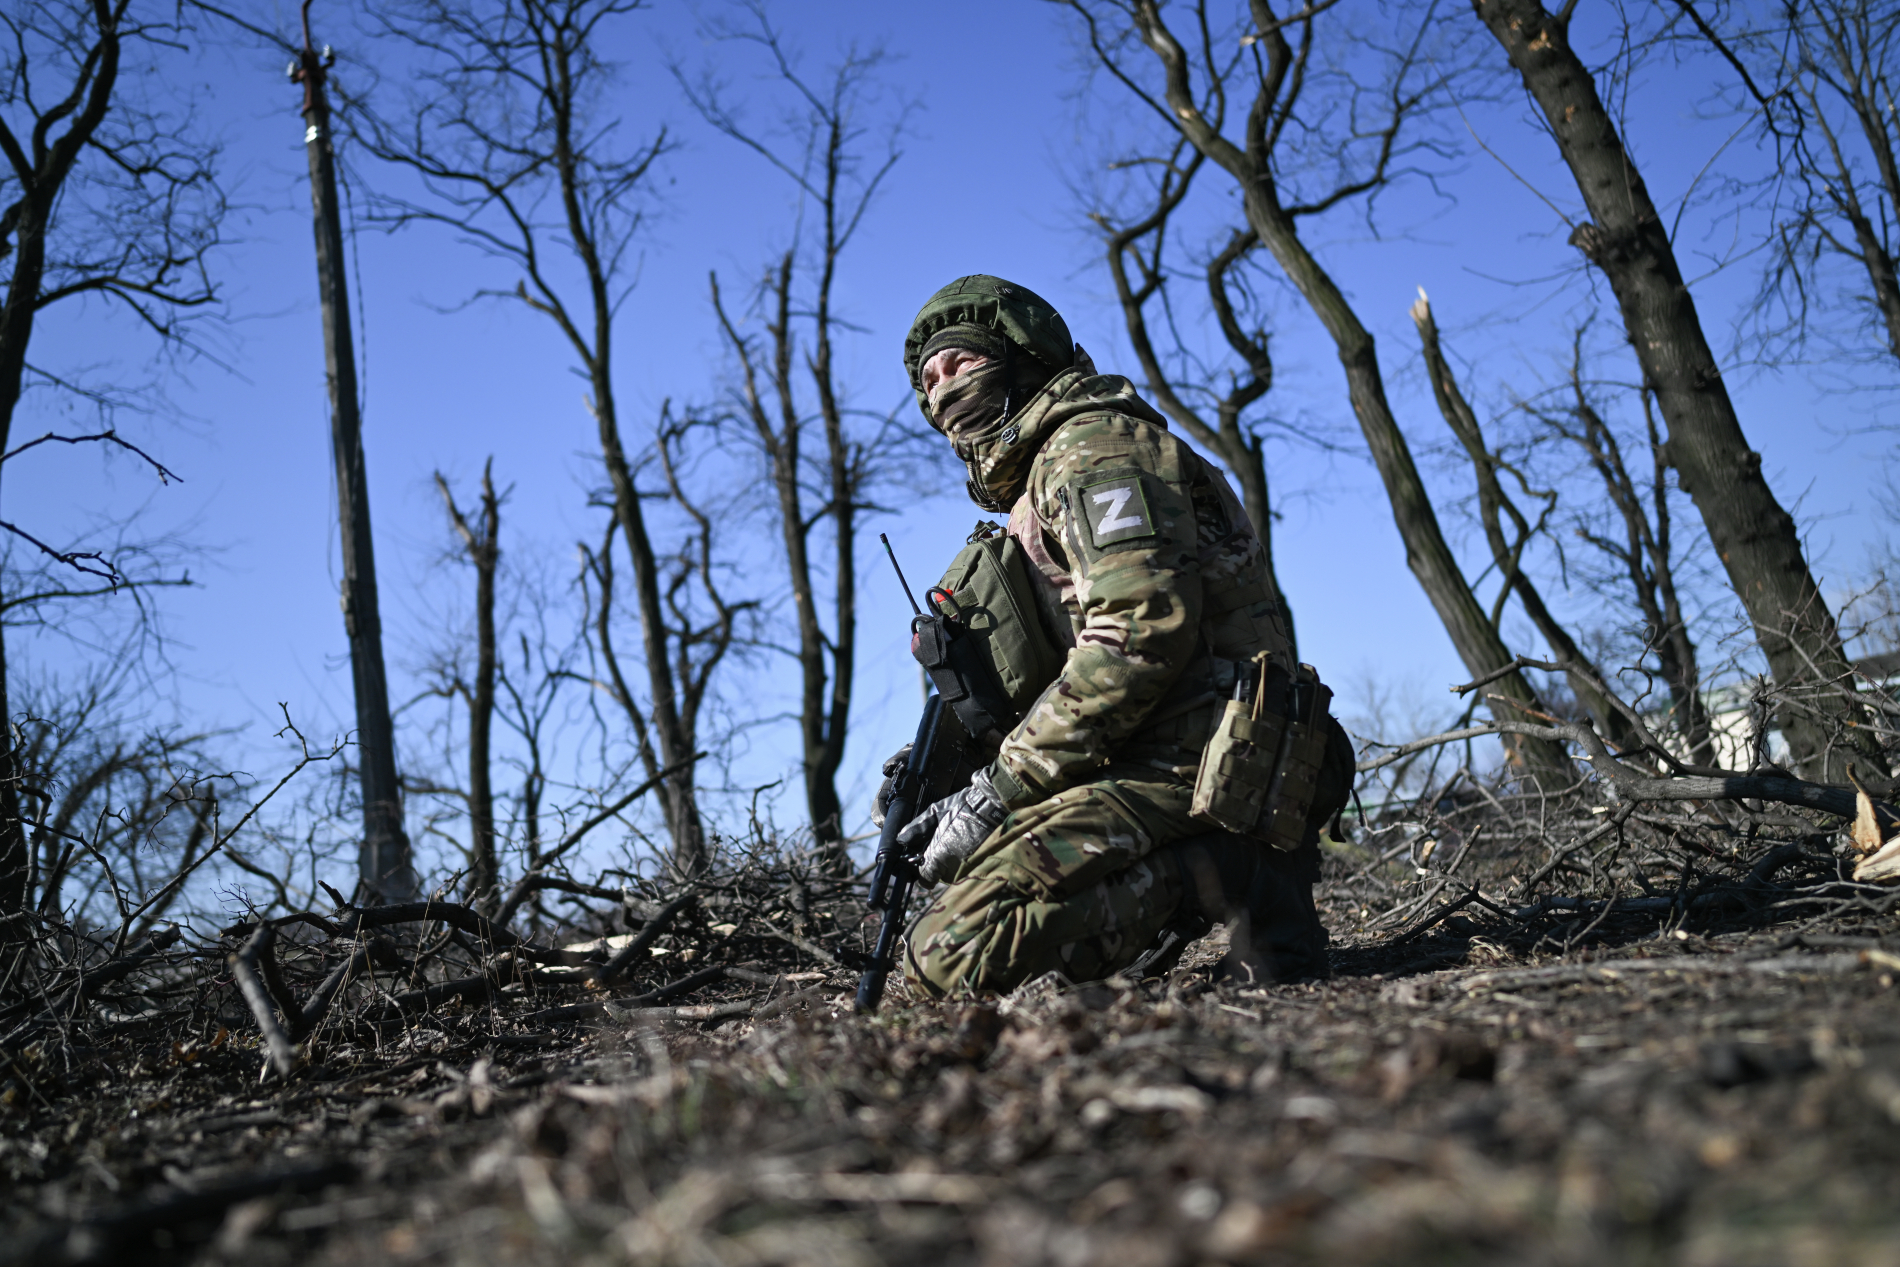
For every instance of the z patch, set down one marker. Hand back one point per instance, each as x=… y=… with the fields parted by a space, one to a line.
x=1116 y=510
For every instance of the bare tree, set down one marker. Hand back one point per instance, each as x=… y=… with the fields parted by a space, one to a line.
x=1820 y=77
x=116 y=805
x=511 y=137
x=1141 y=244
x=1645 y=553
x=698 y=623
x=481 y=545
x=1627 y=239
x=103 y=196
x=1846 y=71
x=819 y=152
x=529 y=696
x=1280 y=123
x=1494 y=505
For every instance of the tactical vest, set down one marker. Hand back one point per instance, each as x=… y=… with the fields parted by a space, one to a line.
x=983 y=643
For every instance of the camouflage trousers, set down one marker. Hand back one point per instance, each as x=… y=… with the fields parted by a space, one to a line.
x=1069 y=884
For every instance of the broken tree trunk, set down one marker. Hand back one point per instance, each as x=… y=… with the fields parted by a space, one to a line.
x=383 y=861
x=1753 y=535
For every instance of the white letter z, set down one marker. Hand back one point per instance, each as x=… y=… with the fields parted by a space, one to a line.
x=1112 y=519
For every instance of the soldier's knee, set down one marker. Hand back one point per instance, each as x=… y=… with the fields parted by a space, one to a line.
x=967 y=940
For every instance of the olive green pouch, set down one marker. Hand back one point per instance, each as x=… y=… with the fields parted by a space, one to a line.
x=987 y=591
x=1296 y=781
x=1259 y=771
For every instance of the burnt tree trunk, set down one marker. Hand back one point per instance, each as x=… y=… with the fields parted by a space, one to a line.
x=560 y=48
x=678 y=798
x=1751 y=532
x=828 y=714
x=824 y=664
x=384 y=867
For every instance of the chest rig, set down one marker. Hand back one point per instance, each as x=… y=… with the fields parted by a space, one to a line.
x=982 y=642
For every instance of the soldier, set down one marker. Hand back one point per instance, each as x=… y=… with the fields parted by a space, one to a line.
x=1076 y=850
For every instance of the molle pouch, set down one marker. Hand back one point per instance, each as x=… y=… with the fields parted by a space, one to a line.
x=983 y=643
x=1238 y=764
x=1296 y=779
x=1260 y=771
x=987 y=594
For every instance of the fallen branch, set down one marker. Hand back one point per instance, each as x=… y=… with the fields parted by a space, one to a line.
x=617 y=966
x=1623 y=782
x=603 y=1010
x=809 y=947
x=319 y=1004
x=244 y=969
x=690 y=1012
x=89 y=984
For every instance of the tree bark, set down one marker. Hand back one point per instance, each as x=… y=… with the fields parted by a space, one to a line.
x=384 y=866
x=1751 y=532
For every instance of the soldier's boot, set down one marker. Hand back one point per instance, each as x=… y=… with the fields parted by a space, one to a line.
x=1274 y=933
x=1285 y=922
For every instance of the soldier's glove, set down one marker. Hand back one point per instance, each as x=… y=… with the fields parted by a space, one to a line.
x=954 y=826
x=882 y=802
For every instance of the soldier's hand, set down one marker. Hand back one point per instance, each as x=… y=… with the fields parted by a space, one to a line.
x=882 y=802
x=954 y=827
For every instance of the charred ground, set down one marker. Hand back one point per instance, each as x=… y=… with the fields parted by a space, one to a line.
x=1709 y=1075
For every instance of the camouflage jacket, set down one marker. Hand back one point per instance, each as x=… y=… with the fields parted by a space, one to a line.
x=1150 y=574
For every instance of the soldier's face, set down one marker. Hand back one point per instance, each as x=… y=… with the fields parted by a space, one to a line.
x=945 y=366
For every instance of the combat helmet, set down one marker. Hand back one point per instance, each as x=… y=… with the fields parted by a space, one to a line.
x=1029 y=322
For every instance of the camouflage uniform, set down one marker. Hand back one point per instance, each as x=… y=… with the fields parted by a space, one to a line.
x=1150 y=574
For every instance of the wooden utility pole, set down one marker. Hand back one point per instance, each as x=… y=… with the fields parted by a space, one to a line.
x=383 y=858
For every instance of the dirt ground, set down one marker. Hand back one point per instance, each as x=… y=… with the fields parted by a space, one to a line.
x=1456 y=1097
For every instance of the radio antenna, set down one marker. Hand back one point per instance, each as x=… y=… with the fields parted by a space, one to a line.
x=900 y=573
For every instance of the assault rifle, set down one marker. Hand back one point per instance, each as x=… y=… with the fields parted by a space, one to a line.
x=896 y=871
x=942 y=758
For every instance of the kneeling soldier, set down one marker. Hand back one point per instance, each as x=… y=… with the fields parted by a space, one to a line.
x=1079 y=848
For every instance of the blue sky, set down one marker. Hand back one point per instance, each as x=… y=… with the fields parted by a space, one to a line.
x=985 y=185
